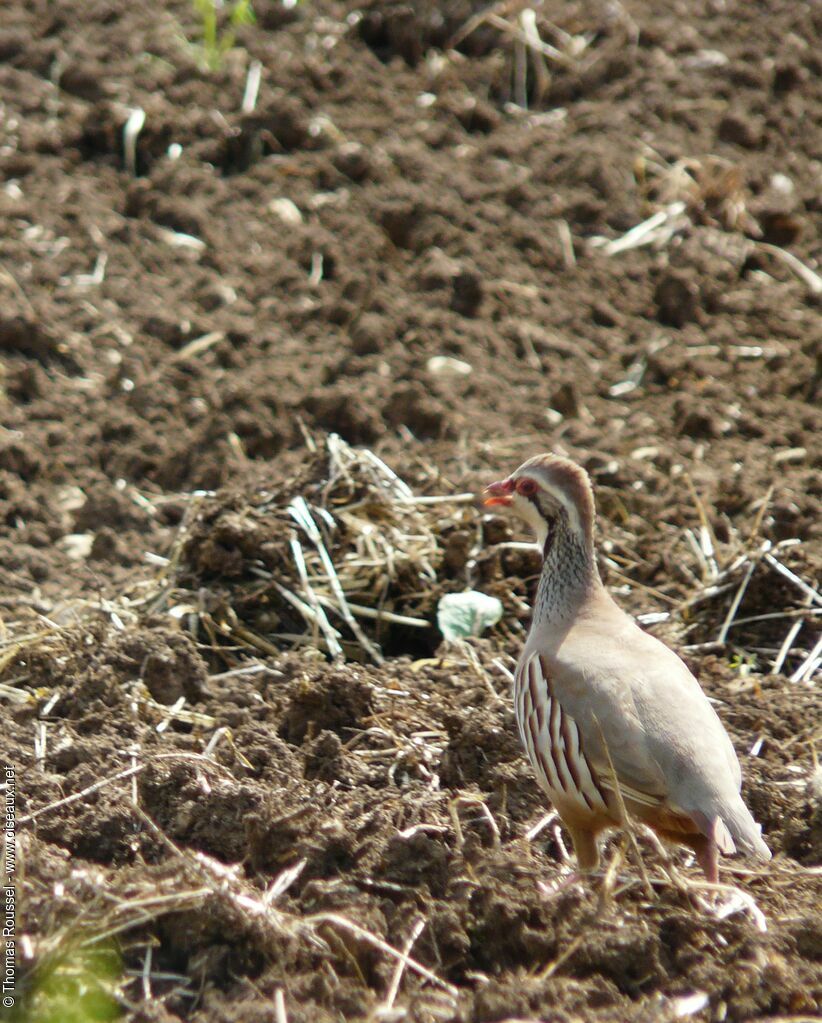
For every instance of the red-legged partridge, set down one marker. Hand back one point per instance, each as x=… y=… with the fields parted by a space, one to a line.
x=596 y=698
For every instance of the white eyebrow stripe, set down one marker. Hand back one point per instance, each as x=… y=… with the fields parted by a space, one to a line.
x=567 y=503
x=573 y=514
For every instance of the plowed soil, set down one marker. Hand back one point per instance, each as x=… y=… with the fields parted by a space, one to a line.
x=412 y=237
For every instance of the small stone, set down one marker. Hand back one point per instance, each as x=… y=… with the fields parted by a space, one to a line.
x=782 y=184
x=447 y=366
x=76 y=546
x=353 y=160
x=286 y=210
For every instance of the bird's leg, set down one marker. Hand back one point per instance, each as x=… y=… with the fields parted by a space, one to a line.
x=586 y=848
x=707 y=856
x=587 y=853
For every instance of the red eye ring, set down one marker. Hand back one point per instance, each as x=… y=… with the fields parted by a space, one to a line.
x=526 y=487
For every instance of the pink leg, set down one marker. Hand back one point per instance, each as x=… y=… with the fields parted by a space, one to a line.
x=585 y=846
x=707 y=856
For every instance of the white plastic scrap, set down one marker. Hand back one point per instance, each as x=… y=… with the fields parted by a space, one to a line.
x=467 y=614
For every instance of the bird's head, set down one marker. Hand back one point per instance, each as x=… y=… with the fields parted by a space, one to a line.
x=545 y=491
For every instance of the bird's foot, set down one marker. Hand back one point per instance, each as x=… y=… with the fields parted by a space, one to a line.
x=558 y=885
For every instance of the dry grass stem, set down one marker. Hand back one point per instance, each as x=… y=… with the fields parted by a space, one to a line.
x=342 y=922
x=74 y=797
x=402 y=963
x=366 y=541
x=657 y=230
x=809 y=277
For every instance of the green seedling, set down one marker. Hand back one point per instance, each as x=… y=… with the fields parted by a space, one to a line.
x=743 y=663
x=76 y=984
x=216 y=42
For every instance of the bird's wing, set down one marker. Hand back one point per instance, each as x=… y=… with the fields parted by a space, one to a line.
x=641 y=714
x=611 y=734
x=686 y=739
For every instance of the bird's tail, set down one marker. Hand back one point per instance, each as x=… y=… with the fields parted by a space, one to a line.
x=732 y=827
x=746 y=833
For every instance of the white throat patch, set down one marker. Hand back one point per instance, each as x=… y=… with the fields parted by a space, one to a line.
x=525 y=508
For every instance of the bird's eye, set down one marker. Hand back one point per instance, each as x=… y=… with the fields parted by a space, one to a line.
x=526 y=487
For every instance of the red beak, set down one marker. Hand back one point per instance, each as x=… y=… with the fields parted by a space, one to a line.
x=498 y=493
